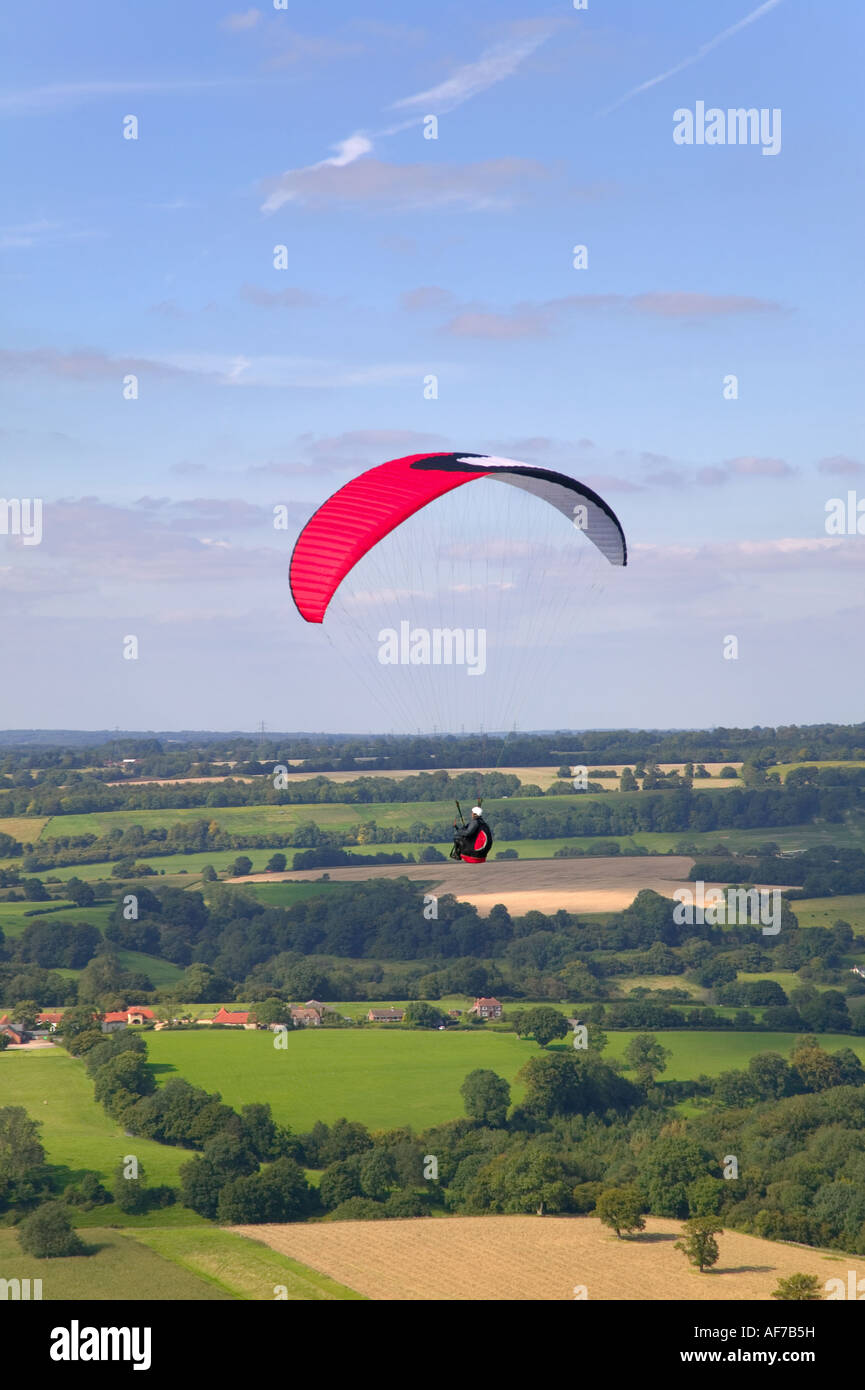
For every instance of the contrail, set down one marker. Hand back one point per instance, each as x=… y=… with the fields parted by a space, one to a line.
x=694 y=57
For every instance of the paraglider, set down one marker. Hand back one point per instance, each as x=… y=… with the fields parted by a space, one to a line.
x=445 y=597
x=472 y=841
x=372 y=505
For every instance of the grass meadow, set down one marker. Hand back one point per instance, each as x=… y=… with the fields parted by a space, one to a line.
x=386 y=1079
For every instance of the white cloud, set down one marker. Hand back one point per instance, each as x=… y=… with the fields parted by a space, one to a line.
x=695 y=57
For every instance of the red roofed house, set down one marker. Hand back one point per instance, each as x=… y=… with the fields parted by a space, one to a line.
x=139 y=1014
x=386 y=1015
x=13 y=1031
x=122 y=1017
x=48 y=1022
x=486 y=1008
x=238 y=1019
x=307 y=1017
x=111 y=1023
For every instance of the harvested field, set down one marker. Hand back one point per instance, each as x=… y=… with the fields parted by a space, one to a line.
x=578 y=885
x=540 y=1258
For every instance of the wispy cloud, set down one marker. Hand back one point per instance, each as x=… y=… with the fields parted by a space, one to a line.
x=840 y=467
x=220 y=369
x=237 y=23
x=538 y=320
x=491 y=183
x=305 y=47
x=494 y=65
x=50 y=98
x=695 y=57
x=399 y=186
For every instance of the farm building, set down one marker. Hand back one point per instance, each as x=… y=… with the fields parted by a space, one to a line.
x=122 y=1018
x=306 y=1017
x=13 y=1031
x=238 y=1019
x=113 y=1022
x=486 y=1008
x=386 y=1015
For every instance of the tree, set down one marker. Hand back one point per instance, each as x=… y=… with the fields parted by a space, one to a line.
x=423 y=1015
x=340 y=1182
x=430 y=855
x=377 y=1174
x=89 y=1192
x=770 y=1074
x=699 y=1242
x=486 y=1097
x=818 y=1069
x=241 y=866
x=802 y=1288
x=628 y=782
x=23 y=1173
x=26 y=1011
x=130 y=1193
x=647 y=1057
x=543 y=1024
x=529 y=1179
x=77 y=1020
x=48 y=1233
x=79 y=892
x=271 y=1011
x=208 y=874
x=35 y=891
x=668 y=1168
x=276 y=863
x=620 y=1208
x=279 y=1192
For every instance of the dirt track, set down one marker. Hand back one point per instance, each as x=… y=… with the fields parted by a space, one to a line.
x=577 y=885
x=539 y=1258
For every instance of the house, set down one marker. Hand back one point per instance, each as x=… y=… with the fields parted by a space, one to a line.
x=486 y=1008
x=121 y=1018
x=113 y=1022
x=386 y=1015
x=48 y=1022
x=139 y=1014
x=237 y=1019
x=306 y=1017
x=14 y=1032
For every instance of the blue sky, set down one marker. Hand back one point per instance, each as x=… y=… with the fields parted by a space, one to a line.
x=408 y=256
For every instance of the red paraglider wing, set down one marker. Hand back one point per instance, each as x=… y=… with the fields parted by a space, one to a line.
x=372 y=505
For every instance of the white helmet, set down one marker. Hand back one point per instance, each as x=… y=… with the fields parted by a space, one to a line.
x=477 y=811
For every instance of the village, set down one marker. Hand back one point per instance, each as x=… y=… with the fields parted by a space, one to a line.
x=312 y=1014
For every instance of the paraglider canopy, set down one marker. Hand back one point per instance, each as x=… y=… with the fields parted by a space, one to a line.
x=365 y=510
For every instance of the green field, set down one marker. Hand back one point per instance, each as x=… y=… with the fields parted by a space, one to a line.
x=695 y=1052
x=784 y=768
x=244 y=1267
x=27 y=829
x=398 y=1078
x=261 y=820
x=120 y=1269
x=384 y=1079
x=14 y=918
x=825 y=912
x=76 y=1133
